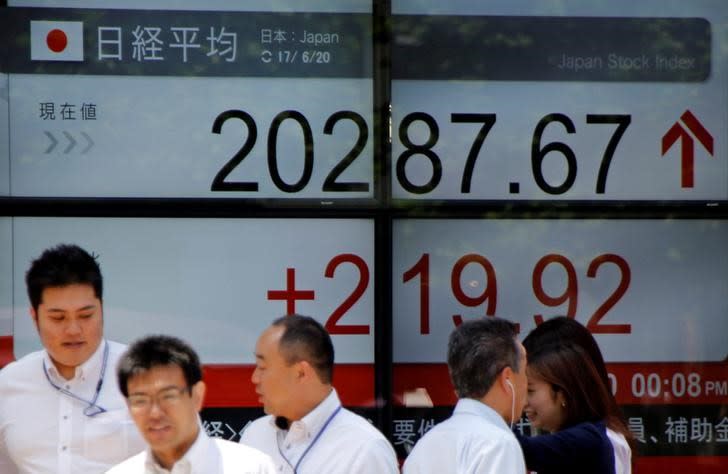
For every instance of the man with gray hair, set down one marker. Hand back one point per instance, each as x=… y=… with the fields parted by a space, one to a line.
x=488 y=370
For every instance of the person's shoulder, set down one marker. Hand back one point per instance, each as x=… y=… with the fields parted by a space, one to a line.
x=239 y=456
x=622 y=451
x=19 y=368
x=116 y=349
x=417 y=459
x=265 y=421
x=238 y=449
x=436 y=442
x=597 y=429
x=257 y=427
x=134 y=464
x=359 y=425
x=588 y=438
x=617 y=438
x=448 y=441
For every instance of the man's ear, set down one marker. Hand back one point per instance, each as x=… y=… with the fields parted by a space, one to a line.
x=34 y=316
x=309 y=372
x=198 y=394
x=306 y=370
x=507 y=375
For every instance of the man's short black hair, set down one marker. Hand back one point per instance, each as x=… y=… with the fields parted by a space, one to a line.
x=59 y=266
x=304 y=338
x=158 y=351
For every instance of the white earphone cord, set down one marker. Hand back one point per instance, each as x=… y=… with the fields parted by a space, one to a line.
x=513 y=403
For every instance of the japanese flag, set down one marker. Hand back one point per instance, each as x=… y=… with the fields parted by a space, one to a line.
x=56 y=40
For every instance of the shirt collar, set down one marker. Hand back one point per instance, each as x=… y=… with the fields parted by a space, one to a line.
x=193 y=459
x=478 y=408
x=89 y=369
x=315 y=419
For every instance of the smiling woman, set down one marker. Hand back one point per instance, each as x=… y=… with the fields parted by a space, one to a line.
x=567 y=398
x=546 y=407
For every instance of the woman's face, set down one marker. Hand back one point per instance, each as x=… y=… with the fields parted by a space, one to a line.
x=545 y=408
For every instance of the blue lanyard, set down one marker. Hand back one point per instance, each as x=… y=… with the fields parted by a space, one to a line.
x=316 y=438
x=92 y=409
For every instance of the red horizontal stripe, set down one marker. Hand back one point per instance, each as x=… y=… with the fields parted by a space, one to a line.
x=6 y=350
x=681 y=465
x=659 y=383
x=230 y=385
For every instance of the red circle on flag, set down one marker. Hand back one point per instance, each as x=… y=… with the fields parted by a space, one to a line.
x=56 y=40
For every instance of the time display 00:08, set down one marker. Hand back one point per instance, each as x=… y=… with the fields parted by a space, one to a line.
x=679 y=385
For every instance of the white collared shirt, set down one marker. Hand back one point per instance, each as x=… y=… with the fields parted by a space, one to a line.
x=44 y=431
x=475 y=439
x=348 y=443
x=205 y=456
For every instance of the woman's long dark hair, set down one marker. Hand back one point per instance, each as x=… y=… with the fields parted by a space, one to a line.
x=564 y=353
x=569 y=371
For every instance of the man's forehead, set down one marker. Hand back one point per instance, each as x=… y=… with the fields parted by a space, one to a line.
x=269 y=340
x=155 y=386
x=69 y=293
x=157 y=374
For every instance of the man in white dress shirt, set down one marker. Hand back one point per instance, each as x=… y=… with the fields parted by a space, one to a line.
x=161 y=378
x=307 y=431
x=60 y=409
x=488 y=370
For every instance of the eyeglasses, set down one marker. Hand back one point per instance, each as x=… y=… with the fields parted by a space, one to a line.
x=165 y=398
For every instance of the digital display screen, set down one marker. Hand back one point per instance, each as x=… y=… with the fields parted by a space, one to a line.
x=620 y=105
x=189 y=103
x=514 y=158
x=652 y=292
x=215 y=282
x=568 y=101
x=622 y=279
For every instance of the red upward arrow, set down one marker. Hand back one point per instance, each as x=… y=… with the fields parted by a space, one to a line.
x=694 y=125
x=687 y=152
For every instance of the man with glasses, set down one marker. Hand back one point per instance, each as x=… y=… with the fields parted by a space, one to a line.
x=60 y=410
x=161 y=378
